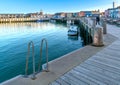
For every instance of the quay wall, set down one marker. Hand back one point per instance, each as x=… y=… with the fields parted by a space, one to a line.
x=9 y=20
x=87 y=32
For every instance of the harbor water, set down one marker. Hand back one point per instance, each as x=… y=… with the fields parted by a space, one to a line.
x=14 y=38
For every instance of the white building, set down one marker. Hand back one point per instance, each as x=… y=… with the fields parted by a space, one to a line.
x=118 y=12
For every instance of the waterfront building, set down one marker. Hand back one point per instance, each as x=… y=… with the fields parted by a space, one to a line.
x=48 y=15
x=36 y=15
x=32 y=15
x=78 y=14
x=59 y=15
x=75 y=14
x=41 y=12
x=69 y=15
x=95 y=13
x=5 y=16
x=118 y=12
x=8 y=18
x=106 y=13
x=89 y=13
x=110 y=11
x=82 y=14
x=29 y=15
x=113 y=13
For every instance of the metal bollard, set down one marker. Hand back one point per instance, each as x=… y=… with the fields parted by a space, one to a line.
x=104 y=27
x=98 y=36
x=94 y=23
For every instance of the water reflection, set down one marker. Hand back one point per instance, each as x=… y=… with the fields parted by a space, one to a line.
x=7 y=29
x=73 y=38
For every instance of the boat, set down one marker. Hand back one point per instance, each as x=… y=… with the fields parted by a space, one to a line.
x=73 y=30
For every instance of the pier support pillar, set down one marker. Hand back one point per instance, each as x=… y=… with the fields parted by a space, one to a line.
x=98 y=36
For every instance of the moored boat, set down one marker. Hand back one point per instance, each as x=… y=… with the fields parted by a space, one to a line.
x=73 y=30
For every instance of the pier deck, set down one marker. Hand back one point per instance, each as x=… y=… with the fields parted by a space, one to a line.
x=87 y=66
x=101 y=69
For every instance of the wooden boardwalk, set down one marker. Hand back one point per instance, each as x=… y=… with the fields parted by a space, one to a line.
x=101 y=69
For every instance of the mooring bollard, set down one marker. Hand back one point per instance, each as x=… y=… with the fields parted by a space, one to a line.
x=98 y=36
x=94 y=23
x=104 y=27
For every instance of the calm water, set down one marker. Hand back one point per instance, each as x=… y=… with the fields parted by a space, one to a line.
x=14 y=39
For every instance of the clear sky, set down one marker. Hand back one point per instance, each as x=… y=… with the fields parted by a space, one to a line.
x=53 y=6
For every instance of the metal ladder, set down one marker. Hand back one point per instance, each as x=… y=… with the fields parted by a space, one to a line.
x=40 y=62
x=33 y=56
x=27 y=60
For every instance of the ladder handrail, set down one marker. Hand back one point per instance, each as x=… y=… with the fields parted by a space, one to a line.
x=27 y=60
x=39 y=65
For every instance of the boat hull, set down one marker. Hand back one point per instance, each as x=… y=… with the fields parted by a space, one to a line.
x=73 y=30
x=72 y=33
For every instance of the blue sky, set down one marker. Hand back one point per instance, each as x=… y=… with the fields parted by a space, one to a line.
x=53 y=6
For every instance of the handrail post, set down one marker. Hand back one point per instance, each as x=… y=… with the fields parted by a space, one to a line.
x=27 y=60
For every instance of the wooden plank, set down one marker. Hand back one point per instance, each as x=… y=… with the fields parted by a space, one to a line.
x=87 y=77
x=96 y=76
x=112 y=53
x=54 y=83
x=102 y=55
x=72 y=80
x=117 y=42
x=103 y=66
x=81 y=77
x=107 y=61
x=114 y=48
x=62 y=82
x=109 y=58
x=102 y=72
